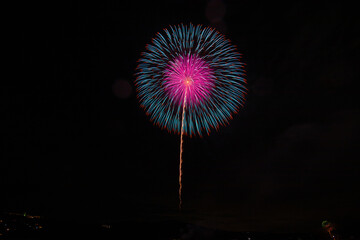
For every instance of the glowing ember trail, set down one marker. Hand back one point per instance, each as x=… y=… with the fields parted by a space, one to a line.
x=181 y=143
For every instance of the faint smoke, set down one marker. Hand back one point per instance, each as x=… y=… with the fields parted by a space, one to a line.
x=122 y=88
x=220 y=26
x=215 y=12
x=262 y=87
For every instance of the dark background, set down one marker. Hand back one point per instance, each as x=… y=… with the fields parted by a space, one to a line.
x=76 y=145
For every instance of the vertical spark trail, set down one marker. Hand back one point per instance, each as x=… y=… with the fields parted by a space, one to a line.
x=181 y=147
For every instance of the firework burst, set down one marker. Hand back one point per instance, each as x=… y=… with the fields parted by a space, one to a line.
x=196 y=61
x=190 y=80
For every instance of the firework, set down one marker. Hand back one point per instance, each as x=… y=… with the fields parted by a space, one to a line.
x=190 y=80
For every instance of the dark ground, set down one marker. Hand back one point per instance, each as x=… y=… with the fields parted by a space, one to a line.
x=21 y=227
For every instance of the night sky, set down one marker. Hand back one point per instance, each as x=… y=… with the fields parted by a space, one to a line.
x=76 y=145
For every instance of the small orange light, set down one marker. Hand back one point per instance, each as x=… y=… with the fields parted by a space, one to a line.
x=187 y=81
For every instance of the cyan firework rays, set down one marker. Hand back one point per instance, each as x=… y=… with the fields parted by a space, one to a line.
x=196 y=62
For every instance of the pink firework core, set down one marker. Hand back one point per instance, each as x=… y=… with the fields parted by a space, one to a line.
x=190 y=75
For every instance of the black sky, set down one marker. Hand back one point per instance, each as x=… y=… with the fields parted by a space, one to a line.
x=76 y=144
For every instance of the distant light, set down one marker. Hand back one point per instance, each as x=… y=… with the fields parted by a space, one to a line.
x=106 y=226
